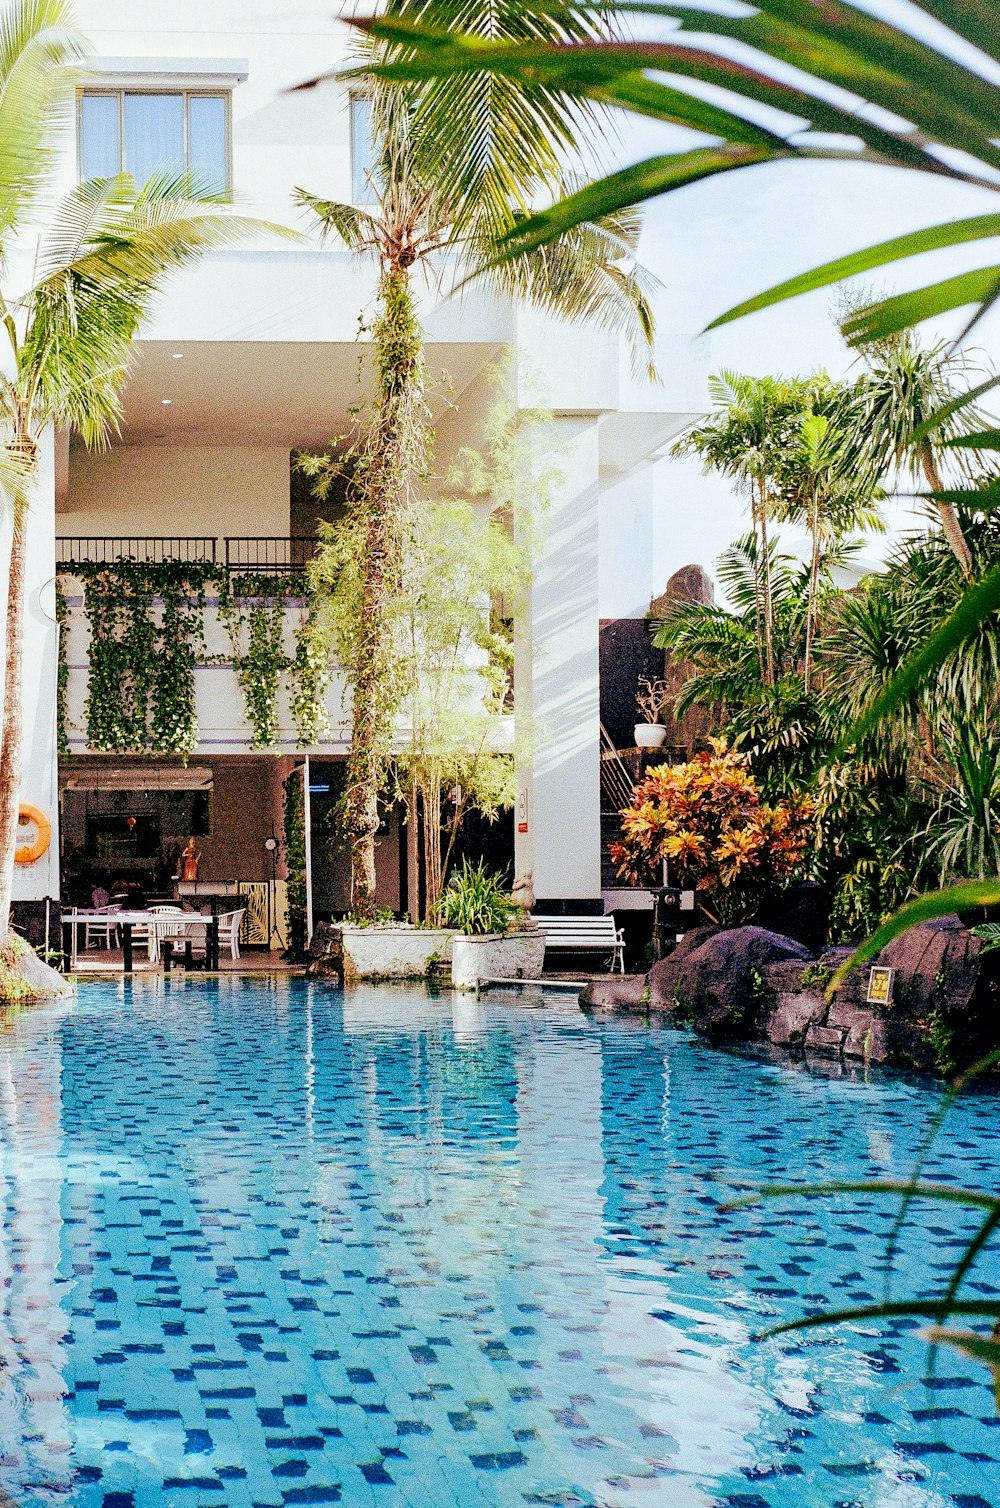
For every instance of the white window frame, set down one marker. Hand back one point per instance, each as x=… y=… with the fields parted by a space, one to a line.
x=117 y=90
x=358 y=96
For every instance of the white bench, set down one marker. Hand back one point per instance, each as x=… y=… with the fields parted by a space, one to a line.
x=578 y=934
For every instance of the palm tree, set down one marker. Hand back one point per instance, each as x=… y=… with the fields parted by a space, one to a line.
x=103 y=255
x=906 y=384
x=505 y=145
x=824 y=483
x=744 y=439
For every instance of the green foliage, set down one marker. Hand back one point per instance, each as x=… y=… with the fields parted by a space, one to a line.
x=382 y=916
x=14 y=988
x=989 y=933
x=62 y=680
x=477 y=901
x=147 y=636
x=295 y=848
x=934 y=113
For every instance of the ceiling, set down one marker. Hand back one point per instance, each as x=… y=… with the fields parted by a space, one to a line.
x=267 y=393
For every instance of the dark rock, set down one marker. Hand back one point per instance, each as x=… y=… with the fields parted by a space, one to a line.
x=862 y=1030
x=787 y=1021
x=937 y=968
x=622 y=994
x=716 y=981
x=663 y=976
x=825 y=1039
x=326 y=951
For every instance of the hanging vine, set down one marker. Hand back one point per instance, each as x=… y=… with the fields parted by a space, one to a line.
x=310 y=679
x=147 y=638
x=62 y=680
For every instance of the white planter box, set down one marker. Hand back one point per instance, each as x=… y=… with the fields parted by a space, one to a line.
x=495 y=957
x=398 y=952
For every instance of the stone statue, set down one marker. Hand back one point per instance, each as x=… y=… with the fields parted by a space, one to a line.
x=190 y=859
x=524 y=898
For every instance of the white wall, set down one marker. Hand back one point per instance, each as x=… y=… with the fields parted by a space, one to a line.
x=556 y=674
x=177 y=490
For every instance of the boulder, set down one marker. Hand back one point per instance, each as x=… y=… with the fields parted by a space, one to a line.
x=620 y=994
x=937 y=967
x=42 y=980
x=719 y=982
x=326 y=951
x=664 y=975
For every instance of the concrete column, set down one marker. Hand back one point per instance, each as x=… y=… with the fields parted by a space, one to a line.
x=556 y=676
x=39 y=754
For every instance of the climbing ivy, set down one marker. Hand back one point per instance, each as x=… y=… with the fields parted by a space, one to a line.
x=62 y=681
x=147 y=637
x=295 y=852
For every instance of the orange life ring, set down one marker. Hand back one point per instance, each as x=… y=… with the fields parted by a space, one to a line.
x=26 y=814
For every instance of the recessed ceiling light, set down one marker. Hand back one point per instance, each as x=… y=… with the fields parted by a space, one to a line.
x=178 y=355
x=166 y=402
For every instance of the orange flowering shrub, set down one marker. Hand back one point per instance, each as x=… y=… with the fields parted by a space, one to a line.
x=707 y=821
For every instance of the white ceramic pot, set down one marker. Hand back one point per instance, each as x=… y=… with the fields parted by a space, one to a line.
x=493 y=956
x=650 y=735
x=392 y=952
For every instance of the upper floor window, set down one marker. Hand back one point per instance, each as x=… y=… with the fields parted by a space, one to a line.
x=363 y=155
x=144 y=131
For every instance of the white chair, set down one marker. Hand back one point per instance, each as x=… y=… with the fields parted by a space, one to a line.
x=155 y=933
x=229 y=930
x=102 y=931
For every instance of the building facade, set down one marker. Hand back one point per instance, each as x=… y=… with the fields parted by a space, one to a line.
x=252 y=356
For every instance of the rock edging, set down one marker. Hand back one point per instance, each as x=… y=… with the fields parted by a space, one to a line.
x=748 y=983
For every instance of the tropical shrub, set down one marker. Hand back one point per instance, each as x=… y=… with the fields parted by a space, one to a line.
x=706 y=822
x=477 y=901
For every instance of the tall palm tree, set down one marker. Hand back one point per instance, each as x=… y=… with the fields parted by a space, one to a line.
x=907 y=384
x=744 y=439
x=505 y=145
x=102 y=256
x=823 y=483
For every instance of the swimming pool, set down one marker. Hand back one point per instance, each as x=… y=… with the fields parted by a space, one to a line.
x=264 y=1243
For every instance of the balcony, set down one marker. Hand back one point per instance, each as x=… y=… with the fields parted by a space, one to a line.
x=255 y=555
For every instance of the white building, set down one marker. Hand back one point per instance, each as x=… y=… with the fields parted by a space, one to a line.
x=252 y=356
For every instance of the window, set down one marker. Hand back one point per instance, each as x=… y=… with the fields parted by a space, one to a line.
x=141 y=131
x=363 y=157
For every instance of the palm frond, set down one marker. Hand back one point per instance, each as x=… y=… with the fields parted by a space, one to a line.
x=356 y=227
x=39 y=51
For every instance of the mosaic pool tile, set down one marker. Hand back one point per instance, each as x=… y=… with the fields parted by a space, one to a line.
x=264 y=1245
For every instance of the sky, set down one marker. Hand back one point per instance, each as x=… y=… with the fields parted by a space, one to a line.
x=715 y=243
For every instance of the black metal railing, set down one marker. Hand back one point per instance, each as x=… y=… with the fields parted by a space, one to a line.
x=106 y=549
x=267 y=556
x=259 y=555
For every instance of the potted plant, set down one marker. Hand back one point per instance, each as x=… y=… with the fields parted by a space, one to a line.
x=380 y=947
x=493 y=941
x=652 y=701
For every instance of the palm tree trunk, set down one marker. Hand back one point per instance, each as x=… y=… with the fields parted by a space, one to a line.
x=757 y=590
x=766 y=582
x=10 y=752
x=813 y=587
x=950 y=526
x=389 y=462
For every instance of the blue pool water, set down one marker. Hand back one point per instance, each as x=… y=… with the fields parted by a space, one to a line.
x=263 y=1243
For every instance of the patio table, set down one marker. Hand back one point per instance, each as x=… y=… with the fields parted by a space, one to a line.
x=191 y=924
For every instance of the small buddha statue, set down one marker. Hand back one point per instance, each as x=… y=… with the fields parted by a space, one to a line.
x=190 y=859
x=523 y=895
